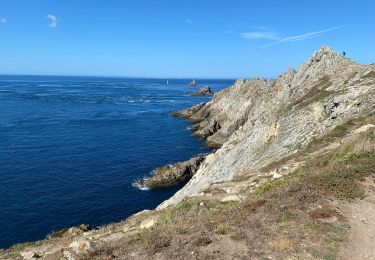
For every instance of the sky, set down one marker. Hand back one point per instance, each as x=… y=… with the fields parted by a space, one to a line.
x=178 y=38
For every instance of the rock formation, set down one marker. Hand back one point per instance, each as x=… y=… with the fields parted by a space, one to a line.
x=258 y=121
x=261 y=129
x=205 y=91
x=171 y=175
x=193 y=83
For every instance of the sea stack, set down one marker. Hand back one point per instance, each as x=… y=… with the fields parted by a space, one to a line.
x=205 y=91
x=193 y=83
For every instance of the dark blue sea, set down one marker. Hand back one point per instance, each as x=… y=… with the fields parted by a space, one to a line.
x=71 y=148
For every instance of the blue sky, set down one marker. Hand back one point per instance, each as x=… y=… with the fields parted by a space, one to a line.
x=192 y=38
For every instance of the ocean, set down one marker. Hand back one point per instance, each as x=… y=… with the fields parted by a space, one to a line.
x=71 y=148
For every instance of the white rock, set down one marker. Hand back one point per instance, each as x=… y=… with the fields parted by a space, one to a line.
x=81 y=245
x=231 y=190
x=230 y=198
x=113 y=237
x=29 y=255
x=148 y=223
x=363 y=128
x=68 y=255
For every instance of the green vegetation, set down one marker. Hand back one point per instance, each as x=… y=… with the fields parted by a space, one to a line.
x=316 y=93
x=338 y=132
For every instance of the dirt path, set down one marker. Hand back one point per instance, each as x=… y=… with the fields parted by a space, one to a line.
x=361 y=216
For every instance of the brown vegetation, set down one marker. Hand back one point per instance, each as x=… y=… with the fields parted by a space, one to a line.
x=284 y=217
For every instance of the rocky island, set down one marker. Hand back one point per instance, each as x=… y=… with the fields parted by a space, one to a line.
x=204 y=91
x=293 y=168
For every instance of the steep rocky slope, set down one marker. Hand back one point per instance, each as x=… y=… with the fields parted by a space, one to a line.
x=300 y=208
x=291 y=155
x=258 y=121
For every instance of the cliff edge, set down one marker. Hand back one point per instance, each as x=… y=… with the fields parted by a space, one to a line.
x=293 y=170
x=258 y=121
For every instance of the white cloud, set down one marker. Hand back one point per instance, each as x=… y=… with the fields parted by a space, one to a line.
x=189 y=21
x=308 y=35
x=259 y=35
x=3 y=20
x=267 y=35
x=53 y=20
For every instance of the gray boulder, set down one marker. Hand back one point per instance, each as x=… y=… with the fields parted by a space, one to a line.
x=205 y=91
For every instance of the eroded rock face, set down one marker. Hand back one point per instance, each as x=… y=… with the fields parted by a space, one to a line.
x=73 y=231
x=275 y=119
x=266 y=120
x=205 y=91
x=171 y=175
x=190 y=113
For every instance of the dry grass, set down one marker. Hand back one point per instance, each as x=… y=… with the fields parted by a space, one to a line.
x=322 y=213
x=338 y=132
x=369 y=75
x=316 y=93
x=281 y=219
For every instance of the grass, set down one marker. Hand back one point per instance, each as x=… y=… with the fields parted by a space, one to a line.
x=338 y=132
x=283 y=218
x=322 y=213
x=316 y=93
x=333 y=136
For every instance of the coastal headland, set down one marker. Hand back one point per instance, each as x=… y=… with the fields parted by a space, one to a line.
x=293 y=161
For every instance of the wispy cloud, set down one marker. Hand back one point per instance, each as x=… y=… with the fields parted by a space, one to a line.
x=268 y=35
x=53 y=20
x=260 y=35
x=3 y=20
x=189 y=21
x=309 y=35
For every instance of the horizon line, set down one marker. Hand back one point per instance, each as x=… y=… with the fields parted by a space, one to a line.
x=115 y=76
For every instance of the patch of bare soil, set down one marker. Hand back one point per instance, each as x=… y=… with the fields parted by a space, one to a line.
x=361 y=217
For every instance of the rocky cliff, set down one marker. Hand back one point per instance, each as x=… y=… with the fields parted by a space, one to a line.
x=171 y=175
x=291 y=153
x=258 y=121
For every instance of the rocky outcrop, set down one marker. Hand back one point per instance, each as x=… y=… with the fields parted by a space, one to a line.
x=171 y=175
x=193 y=83
x=257 y=124
x=257 y=121
x=172 y=229
x=204 y=92
x=190 y=113
x=73 y=231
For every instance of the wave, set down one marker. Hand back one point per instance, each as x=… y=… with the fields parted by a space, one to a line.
x=90 y=98
x=139 y=183
x=136 y=184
